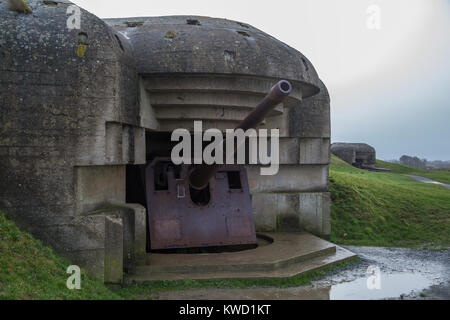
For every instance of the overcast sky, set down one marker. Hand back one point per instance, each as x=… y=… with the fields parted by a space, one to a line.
x=390 y=87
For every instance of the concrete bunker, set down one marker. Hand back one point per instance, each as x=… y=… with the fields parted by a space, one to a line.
x=360 y=155
x=82 y=122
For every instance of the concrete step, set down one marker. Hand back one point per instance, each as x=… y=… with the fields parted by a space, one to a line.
x=290 y=254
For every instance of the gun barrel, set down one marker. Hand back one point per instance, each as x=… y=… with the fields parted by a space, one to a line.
x=201 y=175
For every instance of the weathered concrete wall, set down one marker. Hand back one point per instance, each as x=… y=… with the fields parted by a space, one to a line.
x=98 y=186
x=298 y=197
x=69 y=123
x=293 y=211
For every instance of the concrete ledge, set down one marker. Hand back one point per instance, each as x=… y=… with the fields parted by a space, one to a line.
x=98 y=186
x=289 y=255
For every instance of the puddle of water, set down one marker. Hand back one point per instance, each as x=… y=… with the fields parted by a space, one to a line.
x=391 y=286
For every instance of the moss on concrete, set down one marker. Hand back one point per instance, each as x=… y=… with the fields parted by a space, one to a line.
x=171 y=34
x=133 y=24
x=20 y=6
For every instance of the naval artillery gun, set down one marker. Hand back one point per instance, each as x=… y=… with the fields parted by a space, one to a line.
x=205 y=205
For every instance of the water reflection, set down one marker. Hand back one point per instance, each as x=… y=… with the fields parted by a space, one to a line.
x=392 y=286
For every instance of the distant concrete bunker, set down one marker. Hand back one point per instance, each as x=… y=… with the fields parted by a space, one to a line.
x=360 y=155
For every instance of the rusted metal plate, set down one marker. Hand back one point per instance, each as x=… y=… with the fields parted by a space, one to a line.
x=167 y=229
x=239 y=226
x=175 y=221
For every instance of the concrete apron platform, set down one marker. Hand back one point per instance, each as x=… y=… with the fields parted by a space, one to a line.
x=289 y=255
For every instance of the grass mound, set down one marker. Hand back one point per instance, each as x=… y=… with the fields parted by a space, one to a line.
x=388 y=209
x=30 y=270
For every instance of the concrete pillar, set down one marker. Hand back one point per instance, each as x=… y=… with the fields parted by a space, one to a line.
x=113 y=263
x=110 y=241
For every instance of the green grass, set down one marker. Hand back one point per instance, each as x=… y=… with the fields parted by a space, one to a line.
x=438 y=175
x=388 y=209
